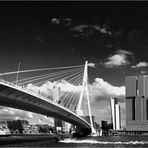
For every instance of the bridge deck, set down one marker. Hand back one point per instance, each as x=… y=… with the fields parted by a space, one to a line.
x=17 y=97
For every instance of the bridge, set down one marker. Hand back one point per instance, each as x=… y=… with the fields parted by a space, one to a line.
x=63 y=100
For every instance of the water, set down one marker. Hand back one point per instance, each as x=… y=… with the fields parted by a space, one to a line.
x=111 y=141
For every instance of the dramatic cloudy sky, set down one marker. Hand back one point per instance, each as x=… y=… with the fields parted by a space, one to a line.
x=111 y=35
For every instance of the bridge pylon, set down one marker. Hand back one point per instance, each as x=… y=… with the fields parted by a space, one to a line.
x=85 y=91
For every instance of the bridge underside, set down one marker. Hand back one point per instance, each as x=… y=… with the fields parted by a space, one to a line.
x=19 y=99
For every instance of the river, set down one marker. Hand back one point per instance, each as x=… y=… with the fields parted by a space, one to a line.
x=107 y=141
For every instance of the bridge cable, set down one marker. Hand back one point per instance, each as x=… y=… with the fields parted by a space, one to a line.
x=66 y=77
x=52 y=74
x=67 y=93
x=59 y=75
x=72 y=97
x=68 y=96
x=41 y=69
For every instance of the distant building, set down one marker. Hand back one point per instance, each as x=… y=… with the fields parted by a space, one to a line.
x=106 y=127
x=66 y=127
x=44 y=128
x=137 y=103
x=4 y=130
x=29 y=129
x=116 y=115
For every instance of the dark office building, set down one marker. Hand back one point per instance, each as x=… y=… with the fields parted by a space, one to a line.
x=137 y=103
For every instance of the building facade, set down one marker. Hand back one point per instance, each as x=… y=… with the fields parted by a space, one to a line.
x=4 y=130
x=137 y=103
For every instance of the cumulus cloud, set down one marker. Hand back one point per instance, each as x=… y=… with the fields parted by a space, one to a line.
x=100 y=94
x=140 y=64
x=46 y=89
x=101 y=89
x=91 y=64
x=118 y=59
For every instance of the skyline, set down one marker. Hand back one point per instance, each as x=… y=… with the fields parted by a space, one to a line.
x=111 y=35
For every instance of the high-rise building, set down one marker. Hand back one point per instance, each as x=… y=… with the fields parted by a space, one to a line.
x=137 y=103
x=115 y=110
x=118 y=117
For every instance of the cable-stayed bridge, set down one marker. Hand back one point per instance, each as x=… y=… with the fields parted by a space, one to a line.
x=59 y=93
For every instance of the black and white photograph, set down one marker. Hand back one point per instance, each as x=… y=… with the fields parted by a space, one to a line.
x=74 y=74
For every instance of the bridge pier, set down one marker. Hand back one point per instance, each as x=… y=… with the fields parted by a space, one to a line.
x=81 y=131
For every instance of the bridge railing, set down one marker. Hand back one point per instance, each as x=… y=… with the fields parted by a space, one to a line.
x=28 y=91
x=24 y=89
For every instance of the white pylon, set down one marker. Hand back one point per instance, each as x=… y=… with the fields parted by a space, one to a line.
x=85 y=90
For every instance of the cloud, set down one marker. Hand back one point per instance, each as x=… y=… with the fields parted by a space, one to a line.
x=55 y=21
x=82 y=31
x=102 y=111
x=45 y=120
x=85 y=30
x=140 y=64
x=79 y=28
x=100 y=94
x=100 y=90
x=104 y=29
x=7 y=113
x=61 y=21
x=66 y=21
x=46 y=89
x=118 y=59
x=121 y=51
x=91 y=65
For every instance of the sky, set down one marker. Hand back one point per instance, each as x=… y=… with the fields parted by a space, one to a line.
x=111 y=35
